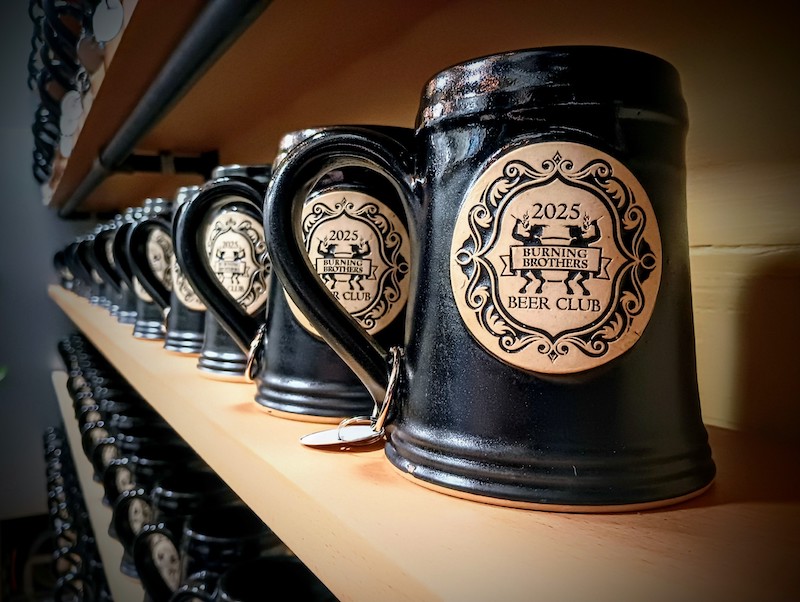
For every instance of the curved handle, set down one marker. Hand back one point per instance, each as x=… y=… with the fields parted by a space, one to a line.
x=155 y=552
x=102 y=262
x=200 y=586
x=333 y=148
x=122 y=262
x=141 y=265
x=189 y=234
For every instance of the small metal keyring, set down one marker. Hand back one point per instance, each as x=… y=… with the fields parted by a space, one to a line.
x=361 y=430
x=378 y=418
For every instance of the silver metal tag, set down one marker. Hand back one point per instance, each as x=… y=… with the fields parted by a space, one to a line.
x=361 y=430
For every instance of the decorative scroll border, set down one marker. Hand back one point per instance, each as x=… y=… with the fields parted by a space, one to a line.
x=631 y=238
x=389 y=285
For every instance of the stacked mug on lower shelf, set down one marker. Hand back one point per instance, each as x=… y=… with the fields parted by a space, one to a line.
x=179 y=525
x=76 y=562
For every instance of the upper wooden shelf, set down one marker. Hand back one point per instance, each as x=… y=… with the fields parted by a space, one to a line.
x=371 y=534
x=151 y=30
x=358 y=61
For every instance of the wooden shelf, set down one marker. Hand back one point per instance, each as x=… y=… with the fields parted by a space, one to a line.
x=312 y=63
x=371 y=534
x=122 y=587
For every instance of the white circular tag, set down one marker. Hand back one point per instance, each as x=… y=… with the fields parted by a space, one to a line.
x=353 y=434
x=107 y=20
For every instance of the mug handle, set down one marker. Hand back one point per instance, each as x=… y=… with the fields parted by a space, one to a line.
x=142 y=551
x=122 y=262
x=138 y=236
x=101 y=262
x=189 y=236
x=305 y=164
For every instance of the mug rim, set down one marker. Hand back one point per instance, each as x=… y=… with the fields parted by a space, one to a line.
x=557 y=75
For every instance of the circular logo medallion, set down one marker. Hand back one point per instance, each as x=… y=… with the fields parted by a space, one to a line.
x=237 y=252
x=360 y=250
x=556 y=258
x=183 y=290
x=159 y=254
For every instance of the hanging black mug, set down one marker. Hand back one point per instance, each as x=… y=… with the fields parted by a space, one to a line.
x=230 y=242
x=549 y=356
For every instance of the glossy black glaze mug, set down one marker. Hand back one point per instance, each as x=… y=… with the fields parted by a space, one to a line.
x=184 y=320
x=214 y=540
x=114 y=274
x=101 y=262
x=549 y=356
x=231 y=242
x=133 y=508
x=175 y=499
x=362 y=248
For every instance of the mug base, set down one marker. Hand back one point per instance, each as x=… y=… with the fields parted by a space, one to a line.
x=300 y=417
x=227 y=377
x=556 y=507
x=181 y=352
x=228 y=367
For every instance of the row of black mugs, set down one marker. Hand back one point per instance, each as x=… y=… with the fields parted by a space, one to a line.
x=501 y=293
x=77 y=566
x=184 y=533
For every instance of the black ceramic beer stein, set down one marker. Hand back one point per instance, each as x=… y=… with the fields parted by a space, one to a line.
x=549 y=354
x=174 y=499
x=115 y=275
x=133 y=508
x=149 y=323
x=65 y=277
x=100 y=263
x=361 y=248
x=184 y=313
x=214 y=540
x=231 y=243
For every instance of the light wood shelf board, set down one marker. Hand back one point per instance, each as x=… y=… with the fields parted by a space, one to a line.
x=371 y=534
x=123 y=588
x=744 y=205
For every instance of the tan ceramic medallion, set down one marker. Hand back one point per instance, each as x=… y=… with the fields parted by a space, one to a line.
x=360 y=250
x=237 y=253
x=556 y=258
